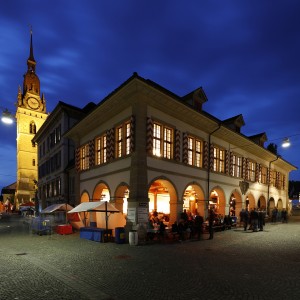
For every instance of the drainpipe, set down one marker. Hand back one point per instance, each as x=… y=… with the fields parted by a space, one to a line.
x=208 y=168
x=269 y=172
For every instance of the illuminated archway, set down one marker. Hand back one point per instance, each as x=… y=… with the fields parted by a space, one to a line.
x=163 y=198
x=250 y=202
x=193 y=199
x=85 y=217
x=271 y=205
x=121 y=196
x=235 y=203
x=262 y=203
x=217 y=200
x=279 y=204
x=101 y=192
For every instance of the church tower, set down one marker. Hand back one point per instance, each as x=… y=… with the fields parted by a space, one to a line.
x=30 y=116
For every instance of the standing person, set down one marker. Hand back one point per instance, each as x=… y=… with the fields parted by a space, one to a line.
x=246 y=219
x=198 y=226
x=261 y=217
x=211 y=219
x=274 y=215
x=184 y=216
x=254 y=219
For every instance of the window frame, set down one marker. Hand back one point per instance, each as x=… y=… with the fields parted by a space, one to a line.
x=218 y=159
x=101 y=149
x=195 y=153
x=163 y=141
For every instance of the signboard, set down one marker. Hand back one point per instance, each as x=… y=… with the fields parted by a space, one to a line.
x=143 y=215
x=131 y=215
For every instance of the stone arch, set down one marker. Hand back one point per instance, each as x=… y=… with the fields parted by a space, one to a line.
x=101 y=192
x=280 y=204
x=235 y=203
x=85 y=217
x=271 y=205
x=85 y=197
x=121 y=196
x=250 y=202
x=217 y=200
x=194 y=199
x=163 y=197
x=262 y=203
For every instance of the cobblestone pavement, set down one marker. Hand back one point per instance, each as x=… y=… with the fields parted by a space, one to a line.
x=236 y=264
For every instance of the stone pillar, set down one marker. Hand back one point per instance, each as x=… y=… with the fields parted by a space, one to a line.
x=138 y=196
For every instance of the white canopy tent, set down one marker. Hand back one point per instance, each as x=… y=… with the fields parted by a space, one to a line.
x=56 y=207
x=58 y=212
x=98 y=206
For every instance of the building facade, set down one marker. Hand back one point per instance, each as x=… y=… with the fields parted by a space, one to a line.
x=147 y=149
x=30 y=115
x=57 y=181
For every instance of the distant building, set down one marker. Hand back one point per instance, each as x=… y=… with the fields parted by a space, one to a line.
x=145 y=148
x=57 y=181
x=30 y=116
x=7 y=195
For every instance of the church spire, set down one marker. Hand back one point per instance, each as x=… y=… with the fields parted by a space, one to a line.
x=31 y=81
x=30 y=61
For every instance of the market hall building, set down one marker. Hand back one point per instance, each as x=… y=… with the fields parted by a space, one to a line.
x=144 y=149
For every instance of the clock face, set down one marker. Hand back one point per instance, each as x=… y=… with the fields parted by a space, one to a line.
x=33 y=103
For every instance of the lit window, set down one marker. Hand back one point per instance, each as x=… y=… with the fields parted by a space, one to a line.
x=236 y=166
x=123 y=138
x=84 y=157
x=194 y=152
x=219 y=160
x=162 y=141
x=101 y=150
x=251 y=171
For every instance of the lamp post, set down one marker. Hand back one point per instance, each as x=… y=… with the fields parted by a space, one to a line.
x=7 y=117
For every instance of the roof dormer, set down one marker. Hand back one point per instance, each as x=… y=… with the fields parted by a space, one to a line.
x=235 y=123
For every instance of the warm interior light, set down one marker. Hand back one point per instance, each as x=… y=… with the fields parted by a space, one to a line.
x=7 y=118
x=286 y=143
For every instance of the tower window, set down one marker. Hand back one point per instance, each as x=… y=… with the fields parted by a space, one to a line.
x=32 y=128
x=33 y=162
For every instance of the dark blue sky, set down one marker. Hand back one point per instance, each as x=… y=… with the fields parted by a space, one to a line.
x=245 y=54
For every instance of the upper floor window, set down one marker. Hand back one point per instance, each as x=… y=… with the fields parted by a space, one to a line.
x=194 y=152
x=218 y=160
x=123 y=137
x=251 y=171
x=273 y=177
x=84 y=157
x=56 y=185
x=280 y=181
x=263 y=175
x=32 y=128
x=163 y=139
x=236 y=166
x=101 y=150
x=54 y=137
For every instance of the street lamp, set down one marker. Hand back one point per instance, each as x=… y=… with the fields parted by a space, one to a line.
x=286 y=143
x=7 y=117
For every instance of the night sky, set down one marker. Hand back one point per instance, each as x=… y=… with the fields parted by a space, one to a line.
x=245 y=55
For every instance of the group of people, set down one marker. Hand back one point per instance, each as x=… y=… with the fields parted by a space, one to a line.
x=188 y=226
x=191 y=226
x=277 y=215
x=253 y=220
